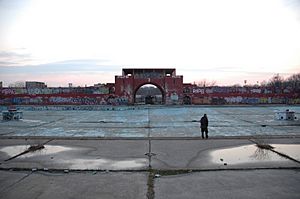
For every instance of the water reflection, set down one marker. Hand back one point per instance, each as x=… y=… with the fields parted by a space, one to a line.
x=244 y=154
x=70 y=161
x=261 y=154
x=292 y=150
x=102 y=164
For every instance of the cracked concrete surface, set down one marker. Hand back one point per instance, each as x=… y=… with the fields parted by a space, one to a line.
x=230 y=184
x=73 y=185
x=158 y=122
x=183 y=166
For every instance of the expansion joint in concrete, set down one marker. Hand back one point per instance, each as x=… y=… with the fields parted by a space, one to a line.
x=150 y=185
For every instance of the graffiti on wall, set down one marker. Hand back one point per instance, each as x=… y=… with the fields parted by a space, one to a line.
x=38 y=91
x=124 y=100
x=63 y=100
x=245 y=100
x=198 y=90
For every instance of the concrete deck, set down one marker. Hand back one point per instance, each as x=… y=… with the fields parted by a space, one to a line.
x=153 y=122
x=116 y=168
x=230 y=184
x=73 y=185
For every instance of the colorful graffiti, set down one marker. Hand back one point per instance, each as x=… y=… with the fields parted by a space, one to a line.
x=49 y=91
x=245 y=100
x=63 y=100
x=105 y=96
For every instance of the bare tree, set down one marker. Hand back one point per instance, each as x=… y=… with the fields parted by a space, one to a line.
x=205 y=83
x=276 y=83
x=294 y=82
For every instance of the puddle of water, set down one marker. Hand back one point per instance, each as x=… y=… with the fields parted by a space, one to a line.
x=84 y=163
x=105 y=163
x=49 y=149
x=292 y=150
x=127 y=164
x=244 y=154
x=76 y=163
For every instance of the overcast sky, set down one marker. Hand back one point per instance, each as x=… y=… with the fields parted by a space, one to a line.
x=90 y=41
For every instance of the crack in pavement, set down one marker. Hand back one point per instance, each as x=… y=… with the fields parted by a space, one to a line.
x=46 y=123
x=15 y=183
x=163 y=162
x=197 y=155
x=35 y=126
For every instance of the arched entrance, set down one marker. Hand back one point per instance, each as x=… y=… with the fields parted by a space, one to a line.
x=165 y=79
x=149 y=94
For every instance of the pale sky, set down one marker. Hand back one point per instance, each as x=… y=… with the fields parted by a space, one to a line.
x=89 y=41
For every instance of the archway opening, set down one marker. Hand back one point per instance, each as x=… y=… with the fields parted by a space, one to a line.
x=148 y=94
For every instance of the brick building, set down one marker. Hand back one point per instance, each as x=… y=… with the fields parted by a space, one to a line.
x=165 y=79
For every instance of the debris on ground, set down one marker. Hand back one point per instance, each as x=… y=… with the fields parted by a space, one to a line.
x=33 y=148
x=157 y=176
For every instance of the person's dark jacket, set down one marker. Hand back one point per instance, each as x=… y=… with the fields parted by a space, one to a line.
x=204 y=122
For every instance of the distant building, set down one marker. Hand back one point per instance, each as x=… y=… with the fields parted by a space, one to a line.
x=35 y=85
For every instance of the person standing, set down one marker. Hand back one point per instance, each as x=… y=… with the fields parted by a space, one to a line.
x=204 y=126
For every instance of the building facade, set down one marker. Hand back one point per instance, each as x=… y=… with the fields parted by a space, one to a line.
x=166 y=80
